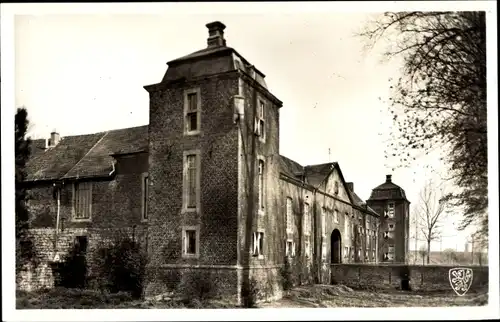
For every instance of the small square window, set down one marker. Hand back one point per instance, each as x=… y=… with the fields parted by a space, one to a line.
x=190 y=242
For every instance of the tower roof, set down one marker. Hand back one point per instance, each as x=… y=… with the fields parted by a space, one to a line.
x=388 y=191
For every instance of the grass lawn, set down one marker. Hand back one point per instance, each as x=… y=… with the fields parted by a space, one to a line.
x=305 y=296
x=327 y=296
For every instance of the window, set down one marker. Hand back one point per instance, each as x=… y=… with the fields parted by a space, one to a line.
x=346 y=252
x=289 y=215
x=367 y=237
x=290 y=248
x=366 y=255
x=258 y=244
x=323 y=251
x=388 y=234
x=259 y=127
x=336 y=188
x=190 y=241
x=83 y=200
x=346 y=225
x=336 y=216
x=191 y=180
x=192 y=111
x=323 y=222
x=359 y=253
x=307 y=246
x=390 y=210
x=145 y=191
x=307 y=220
x=261 y=185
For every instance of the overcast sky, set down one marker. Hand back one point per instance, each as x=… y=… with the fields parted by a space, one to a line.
x=84 y=73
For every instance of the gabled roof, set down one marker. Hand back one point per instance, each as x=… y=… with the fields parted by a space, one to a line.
x=316 y=174
x=87 y=155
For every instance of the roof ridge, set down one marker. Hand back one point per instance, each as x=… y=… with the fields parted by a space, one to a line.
x=106 y=133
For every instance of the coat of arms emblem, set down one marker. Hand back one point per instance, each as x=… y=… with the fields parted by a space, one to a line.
x=460 y=280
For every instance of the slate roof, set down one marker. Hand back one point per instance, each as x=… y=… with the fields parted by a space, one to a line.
x=87 y=155
x=291 y=168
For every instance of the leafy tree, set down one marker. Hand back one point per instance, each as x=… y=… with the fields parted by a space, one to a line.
x=439 y=102
x=25 y=250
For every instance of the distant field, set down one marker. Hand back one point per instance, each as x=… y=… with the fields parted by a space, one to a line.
x=320 y=296
x=441 y=258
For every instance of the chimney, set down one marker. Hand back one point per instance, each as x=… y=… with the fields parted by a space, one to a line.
x=216 y=34
x=388 y=178
x=350 y=186
x=54 y=138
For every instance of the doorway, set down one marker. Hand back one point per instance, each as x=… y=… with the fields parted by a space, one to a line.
x=336 y=247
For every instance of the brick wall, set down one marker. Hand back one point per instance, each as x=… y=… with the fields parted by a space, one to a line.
x=217 y=146
x=428 y=278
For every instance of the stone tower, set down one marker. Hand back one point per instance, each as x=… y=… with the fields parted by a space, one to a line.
x=389 y=200
x=213 y=144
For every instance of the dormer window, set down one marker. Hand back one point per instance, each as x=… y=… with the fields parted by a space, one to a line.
x=192 y=112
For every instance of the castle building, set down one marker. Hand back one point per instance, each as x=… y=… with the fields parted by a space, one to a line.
x=205 y=190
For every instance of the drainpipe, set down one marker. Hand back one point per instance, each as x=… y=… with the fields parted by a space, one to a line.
x=57 y=187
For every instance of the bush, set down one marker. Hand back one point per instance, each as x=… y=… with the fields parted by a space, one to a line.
x=404 y=274
x=286 y=273
x=249 y=293
x=196 y=285
x=121 y=268
x=72 y=270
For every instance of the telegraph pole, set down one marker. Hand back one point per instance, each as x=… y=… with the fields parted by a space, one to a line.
x=416 y=237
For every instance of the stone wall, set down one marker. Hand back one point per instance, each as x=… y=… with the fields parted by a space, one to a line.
x=32 y=278
x=428 y=278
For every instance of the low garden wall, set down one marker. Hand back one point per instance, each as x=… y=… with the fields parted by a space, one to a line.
x=421 y=277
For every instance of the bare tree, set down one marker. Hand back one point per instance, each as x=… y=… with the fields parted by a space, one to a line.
x=450 y=256
x=424 y=253
x=439 y=103
x=430 y=211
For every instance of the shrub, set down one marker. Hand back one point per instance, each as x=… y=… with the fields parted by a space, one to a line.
x=249 y=293
x=197 y=285
x=72 y=270
x=404 y=274
x=121 y=268
x=286 y=273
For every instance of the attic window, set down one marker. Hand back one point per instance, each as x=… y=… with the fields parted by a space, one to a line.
x=336 y=188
